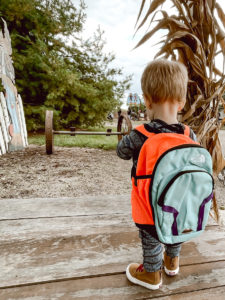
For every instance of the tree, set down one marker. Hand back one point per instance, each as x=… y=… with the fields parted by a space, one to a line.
x=55 y=68
x=195 y=38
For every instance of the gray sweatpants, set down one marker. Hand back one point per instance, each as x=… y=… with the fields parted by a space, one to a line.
x=153 y=251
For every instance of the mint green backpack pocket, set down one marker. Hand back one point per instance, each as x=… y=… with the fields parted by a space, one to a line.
x=181 y=191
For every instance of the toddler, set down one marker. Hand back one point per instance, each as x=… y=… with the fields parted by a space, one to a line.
x=164 y=86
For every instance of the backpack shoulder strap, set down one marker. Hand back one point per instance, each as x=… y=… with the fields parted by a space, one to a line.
x=145 y=132
x=186 y=130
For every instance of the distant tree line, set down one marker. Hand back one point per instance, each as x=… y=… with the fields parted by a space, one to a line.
x=56 y=68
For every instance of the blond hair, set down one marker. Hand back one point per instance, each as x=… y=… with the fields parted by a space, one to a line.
x=164 y=80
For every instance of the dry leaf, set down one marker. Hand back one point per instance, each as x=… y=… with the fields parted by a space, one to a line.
x=196 y=35
x=153 y=6
x=220 y=13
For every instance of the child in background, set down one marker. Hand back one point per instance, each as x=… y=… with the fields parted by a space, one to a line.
x=164 y=86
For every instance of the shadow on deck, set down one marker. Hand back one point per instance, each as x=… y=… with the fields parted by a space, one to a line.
x=78 y=248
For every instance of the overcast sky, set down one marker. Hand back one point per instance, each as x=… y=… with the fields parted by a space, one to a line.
x=117 y=18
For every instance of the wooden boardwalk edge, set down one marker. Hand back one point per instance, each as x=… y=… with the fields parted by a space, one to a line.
x=206 y=277
x=44 y=256
x=83 y=253
x=99 y=275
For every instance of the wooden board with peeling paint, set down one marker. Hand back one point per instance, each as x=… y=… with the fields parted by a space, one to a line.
x=13 y=133
x=78 y=248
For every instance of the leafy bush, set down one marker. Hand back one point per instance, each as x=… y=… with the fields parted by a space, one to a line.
x=56 y=69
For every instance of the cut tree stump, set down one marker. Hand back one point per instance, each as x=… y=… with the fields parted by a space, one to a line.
x=78 y=248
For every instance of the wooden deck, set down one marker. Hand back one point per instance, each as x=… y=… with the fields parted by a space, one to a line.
x=78 y=248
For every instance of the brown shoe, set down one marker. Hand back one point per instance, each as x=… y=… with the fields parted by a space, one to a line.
x=137 y=274
x=171 y=265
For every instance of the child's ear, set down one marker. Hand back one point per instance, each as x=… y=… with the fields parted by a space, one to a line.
x=148 y=102
x=181 y=105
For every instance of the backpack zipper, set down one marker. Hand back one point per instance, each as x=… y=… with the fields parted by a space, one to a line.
x=165 y=190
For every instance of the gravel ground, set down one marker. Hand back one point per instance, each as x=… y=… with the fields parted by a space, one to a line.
x=69 y=172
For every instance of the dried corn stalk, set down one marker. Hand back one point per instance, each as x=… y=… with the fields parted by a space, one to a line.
x=195 y=38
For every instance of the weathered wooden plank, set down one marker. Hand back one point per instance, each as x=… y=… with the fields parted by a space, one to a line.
x=11 y=92
x=20 y=121
x=85 y=247
x=214 y=293
x=47 y=228
x=12 y=231
x=74 y=256
x=7 y=75
x=53 y=207
x=200 y=279
x=5 y=113
x=23 y=127
x=7 y=39
x=2 y=142
x=4 y=127
x=42 y=249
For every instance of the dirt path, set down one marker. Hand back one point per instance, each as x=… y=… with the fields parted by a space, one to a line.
x=69 y=172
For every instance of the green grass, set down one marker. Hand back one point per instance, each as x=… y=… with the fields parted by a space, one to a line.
x=94 y=141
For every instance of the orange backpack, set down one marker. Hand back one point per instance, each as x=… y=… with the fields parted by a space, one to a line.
x=180 y=160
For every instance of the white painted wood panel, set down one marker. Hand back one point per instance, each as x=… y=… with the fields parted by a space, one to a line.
x=23 y=120
x=12 y=109
x=4 y=128
x=2 y=142
x=6 y=118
